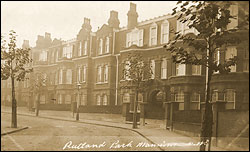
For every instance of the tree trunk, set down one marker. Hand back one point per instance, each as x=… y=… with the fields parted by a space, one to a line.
x=14 y=113
x=135 y=110
x=207 y=120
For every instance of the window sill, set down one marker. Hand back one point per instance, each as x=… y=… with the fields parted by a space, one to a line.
x=101 y=83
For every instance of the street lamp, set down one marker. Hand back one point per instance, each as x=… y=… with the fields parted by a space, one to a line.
x=78 y=101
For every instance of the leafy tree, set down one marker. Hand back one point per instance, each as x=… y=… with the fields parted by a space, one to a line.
x=137 y=74
x=13 y=66
x=210 y=20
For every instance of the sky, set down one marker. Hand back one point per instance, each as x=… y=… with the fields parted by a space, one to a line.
x=63 y=19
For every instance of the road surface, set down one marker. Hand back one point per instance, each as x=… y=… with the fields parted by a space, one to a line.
x=50 y=135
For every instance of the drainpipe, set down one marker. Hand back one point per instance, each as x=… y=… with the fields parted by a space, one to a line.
x=117 y=68
x=116 y=84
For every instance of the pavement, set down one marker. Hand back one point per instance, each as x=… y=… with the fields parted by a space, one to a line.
x=154 y=130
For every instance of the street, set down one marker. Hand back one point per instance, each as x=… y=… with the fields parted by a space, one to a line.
x=48 y=134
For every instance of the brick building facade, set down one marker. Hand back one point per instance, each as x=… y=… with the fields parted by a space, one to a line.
x=93 y=60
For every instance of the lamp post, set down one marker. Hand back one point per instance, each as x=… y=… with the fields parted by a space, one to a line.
x=78 y=101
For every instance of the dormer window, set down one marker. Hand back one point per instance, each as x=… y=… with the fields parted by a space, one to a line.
x=135 y=37
x=153 y=35
x=165 y=32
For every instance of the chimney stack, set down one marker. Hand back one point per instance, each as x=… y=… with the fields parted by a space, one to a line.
x=113 y=19
x=47 y=35
x=25 y=44
x=132 y=16
x=86 y=24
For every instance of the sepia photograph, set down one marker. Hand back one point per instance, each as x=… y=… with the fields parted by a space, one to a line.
x=124 y=75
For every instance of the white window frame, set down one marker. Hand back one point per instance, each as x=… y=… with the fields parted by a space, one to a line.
x=196 y=69
x=106 y=73
x=217 y=58
x=135 y=37
x=107 y=45
x=99 y=73
x=84 y=72
x=228 y=101
x=100 y=48
x=178 y=69
x=80 y=49
x=98 y=100
x=152 y=43
x=164 y=68
x=180 y=98
x=196 y=101
x=233 y=67
x=105 y=100
x=85 y=47
x=215 y=96
x=43 y=55
x=67 y=51
x=164 y=25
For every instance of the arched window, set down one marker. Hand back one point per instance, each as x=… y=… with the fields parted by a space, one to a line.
x=165 y=32
x=98 y=100
x=105 y=100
